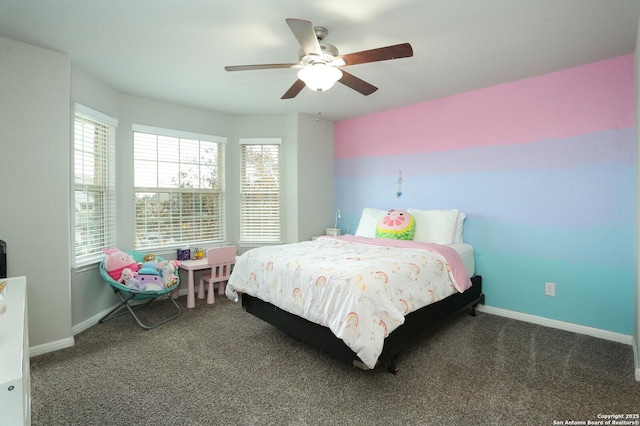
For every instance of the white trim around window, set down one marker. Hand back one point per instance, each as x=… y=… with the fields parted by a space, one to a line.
x=93 y=185
x=260 y=191
x=179 y=188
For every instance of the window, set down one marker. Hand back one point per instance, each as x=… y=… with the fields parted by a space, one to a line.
x=178 y=188
x=260 y=190
x=94 y=184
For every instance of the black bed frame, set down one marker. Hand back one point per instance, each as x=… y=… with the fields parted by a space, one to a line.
x=416 y=324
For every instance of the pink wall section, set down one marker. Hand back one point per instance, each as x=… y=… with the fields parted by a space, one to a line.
x=569 y=102
x=544 y=168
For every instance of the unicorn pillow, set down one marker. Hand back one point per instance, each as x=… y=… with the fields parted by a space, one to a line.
x=396 y=224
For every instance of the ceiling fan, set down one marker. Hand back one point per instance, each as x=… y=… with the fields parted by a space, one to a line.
x=320 y=62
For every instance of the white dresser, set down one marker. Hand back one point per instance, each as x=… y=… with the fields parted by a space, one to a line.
x=15 y=382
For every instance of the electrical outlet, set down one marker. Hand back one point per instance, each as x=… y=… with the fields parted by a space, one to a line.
x=550 y=289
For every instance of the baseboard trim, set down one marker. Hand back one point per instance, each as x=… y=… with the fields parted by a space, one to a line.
x=90 y=322
x=78 y=328
x=567 y=326
x=51 y=346
x=636 y=355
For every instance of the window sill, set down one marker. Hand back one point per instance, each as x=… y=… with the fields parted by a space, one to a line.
x=245 y=244
x=86 y=267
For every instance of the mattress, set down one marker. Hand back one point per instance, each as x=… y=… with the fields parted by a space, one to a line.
x=467 y=255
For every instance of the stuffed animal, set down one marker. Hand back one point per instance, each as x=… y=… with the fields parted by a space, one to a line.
x=150 y=262
x=3 y=304
x=396 y=224
x=168 y=272
x=129 y=279
x=116 y=261
x=151 y=282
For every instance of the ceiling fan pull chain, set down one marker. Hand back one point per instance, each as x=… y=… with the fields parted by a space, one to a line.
x=319 y=104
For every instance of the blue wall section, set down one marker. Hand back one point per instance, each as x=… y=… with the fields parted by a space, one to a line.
x=552 y=210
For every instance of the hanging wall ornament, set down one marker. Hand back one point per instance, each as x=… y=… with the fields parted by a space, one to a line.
x=399 y=192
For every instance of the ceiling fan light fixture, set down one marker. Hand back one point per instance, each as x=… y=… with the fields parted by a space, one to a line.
x=319 y=77
x=319 y=61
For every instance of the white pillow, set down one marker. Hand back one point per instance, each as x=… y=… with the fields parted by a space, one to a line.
x=368 y=221
x=436 y=226
x=459 y=227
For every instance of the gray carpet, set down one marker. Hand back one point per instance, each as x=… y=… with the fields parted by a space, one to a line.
x=218 y=365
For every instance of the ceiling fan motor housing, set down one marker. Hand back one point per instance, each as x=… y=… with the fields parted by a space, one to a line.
x=321 y=32
x=329 y=52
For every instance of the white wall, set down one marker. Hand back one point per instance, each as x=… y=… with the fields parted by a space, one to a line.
x=35 y=119
x=313 y=155
x=87 y=288
x=307 y=173
x=316 y=210
x=90 y=297
x=35 y=196
x=136 y=110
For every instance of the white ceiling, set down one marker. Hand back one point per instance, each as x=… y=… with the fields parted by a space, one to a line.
x=176 y=50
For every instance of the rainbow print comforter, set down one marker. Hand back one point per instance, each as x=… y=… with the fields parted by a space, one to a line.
x=360 y=288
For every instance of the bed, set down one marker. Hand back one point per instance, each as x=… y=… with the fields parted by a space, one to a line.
x=361 y=299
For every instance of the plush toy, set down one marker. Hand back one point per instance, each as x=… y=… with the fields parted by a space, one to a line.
x=151 y=282
x=116 y=261
x=150 y=263
x=396 y=224
x=3 y=304
x=150 y=266
x=129 y=279
x=168 y=272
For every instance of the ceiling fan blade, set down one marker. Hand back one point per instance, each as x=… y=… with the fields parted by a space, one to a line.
x=397 y=51
x=257 y=67
x=294 y=90
x=306 y=35
x=357 y=84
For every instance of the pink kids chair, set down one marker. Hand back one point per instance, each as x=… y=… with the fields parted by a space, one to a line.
x=220 y=259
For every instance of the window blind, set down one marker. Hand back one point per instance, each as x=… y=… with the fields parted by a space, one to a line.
x=94 y=184
x=179 y=191
x=260 y=191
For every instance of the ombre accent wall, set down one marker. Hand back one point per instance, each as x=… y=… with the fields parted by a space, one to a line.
x=544 y=169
